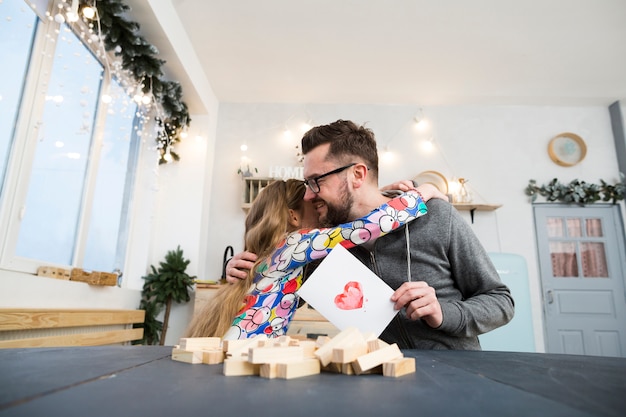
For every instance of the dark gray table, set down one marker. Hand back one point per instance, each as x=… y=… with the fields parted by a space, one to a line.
x=144 y=381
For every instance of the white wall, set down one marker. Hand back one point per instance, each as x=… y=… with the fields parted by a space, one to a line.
x=180 y=214
x=498 y=148
x=196 y=202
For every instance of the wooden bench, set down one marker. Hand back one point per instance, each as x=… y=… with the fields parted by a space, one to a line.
x=58 y=327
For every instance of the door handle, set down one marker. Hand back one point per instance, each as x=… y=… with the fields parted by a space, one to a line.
x=550 y=296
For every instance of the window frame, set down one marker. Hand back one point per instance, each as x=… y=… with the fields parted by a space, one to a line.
x=24 y=144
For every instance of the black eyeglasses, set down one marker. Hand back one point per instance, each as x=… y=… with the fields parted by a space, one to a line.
x=313 y=184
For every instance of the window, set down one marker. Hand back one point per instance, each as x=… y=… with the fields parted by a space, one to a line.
x=16 y=38
x=71 y=165
x=107 y=227
x=57 y=179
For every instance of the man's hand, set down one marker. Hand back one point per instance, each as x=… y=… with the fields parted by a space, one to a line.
x=420 y=301
x=238 y=266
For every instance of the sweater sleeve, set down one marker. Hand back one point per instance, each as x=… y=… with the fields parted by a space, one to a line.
x=487 y=302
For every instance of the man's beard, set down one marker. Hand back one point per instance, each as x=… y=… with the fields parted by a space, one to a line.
x=337 y=214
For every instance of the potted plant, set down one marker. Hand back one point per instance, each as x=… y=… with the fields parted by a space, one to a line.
x=169 y=283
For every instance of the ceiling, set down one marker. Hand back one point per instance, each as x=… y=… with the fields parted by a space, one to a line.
x=424 y=52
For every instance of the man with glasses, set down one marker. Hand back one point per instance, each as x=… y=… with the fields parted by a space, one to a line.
x=446 y=287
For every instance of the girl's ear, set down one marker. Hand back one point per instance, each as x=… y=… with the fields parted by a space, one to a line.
x=294 y=218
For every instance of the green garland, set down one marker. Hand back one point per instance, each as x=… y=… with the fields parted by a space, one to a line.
x=579 y=192
x=138 y=57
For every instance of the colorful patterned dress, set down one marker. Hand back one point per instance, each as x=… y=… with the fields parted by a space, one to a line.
x=272 y=298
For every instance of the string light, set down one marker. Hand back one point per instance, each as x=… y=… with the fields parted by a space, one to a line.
x=167 y=156
x=305 y=127
x=72 y=13
x=421 y=123
x=89 y=12
x=428 y=144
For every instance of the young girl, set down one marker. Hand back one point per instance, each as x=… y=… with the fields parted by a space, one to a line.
x=266 y=302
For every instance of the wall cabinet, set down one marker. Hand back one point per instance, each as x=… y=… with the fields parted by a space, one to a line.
x=251 y=188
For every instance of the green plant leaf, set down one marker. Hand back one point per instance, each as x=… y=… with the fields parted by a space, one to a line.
x=577 y=191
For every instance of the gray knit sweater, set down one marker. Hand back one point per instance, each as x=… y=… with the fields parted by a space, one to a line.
x=444 y=252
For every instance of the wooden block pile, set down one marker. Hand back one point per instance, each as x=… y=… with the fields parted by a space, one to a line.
x=78 y=274
x=350 y=352
x=206 y=350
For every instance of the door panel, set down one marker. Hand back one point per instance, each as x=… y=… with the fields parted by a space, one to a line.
x=581 y=257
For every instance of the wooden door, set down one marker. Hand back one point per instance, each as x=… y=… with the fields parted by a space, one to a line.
x=582 y=262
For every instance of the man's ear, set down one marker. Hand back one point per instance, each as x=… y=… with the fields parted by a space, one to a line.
x=360 y=174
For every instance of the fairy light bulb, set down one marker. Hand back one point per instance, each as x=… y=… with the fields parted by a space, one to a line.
x=72 y=14
x=167 y=156
x=428 y=145
x=89 y=12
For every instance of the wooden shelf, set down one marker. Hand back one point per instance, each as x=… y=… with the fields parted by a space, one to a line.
x=472 y=207
x=476 y=206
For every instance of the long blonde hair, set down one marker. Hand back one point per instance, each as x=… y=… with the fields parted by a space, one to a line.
x=266 y=224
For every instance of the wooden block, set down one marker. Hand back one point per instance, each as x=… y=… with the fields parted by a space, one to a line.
x=268 y=370
x=321 y=340
x=240 y=347
x=275 y=354
x=53 y=272
x=332 y=367
x=376 y=344
x=200 y=343
x=369 y=336
x=345 y=338
x=187 y=356
x=212 y=357
x=372 y=359
x=107 y=278
x=282 y=341
x=399 y=367
x=93 y=277
x=378 y=369
x=81 y=275
x=238 y=367
x=289 y=370
x=347 y=369
x=308 y=348
x=349 y=353
x=299 y=337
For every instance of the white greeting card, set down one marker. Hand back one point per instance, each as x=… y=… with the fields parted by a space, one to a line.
x=348 y=294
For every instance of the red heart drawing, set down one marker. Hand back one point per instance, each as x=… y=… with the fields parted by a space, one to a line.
x=351 y=298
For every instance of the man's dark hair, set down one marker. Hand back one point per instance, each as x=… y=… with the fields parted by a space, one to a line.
x=347 y=140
